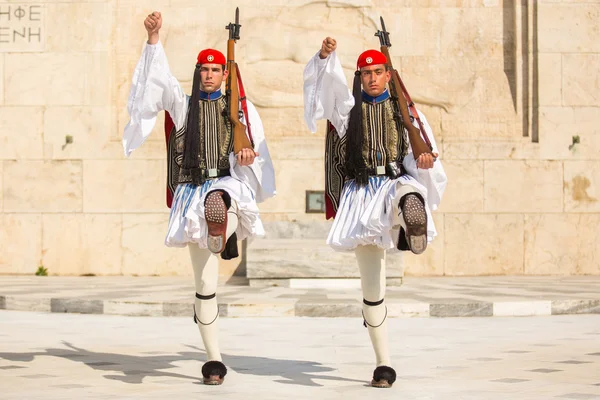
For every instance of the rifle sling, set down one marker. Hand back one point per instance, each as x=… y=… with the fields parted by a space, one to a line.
x=413 y=110
x=244 y=104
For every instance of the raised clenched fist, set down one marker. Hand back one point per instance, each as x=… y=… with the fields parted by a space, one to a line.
x=329 y=45
x=153 y=23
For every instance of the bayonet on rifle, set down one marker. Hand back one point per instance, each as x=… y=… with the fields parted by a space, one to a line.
x=240 y=139
x=402 y=101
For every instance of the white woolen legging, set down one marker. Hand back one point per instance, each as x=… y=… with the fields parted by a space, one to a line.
x=371 y=262
x=206 y=276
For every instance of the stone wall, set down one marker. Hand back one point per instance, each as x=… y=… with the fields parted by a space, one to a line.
x=506 y=86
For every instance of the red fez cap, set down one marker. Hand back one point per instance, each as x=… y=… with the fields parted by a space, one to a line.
x=211 y=56
x=370 y=57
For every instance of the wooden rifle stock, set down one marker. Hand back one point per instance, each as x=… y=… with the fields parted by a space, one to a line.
x=417 y=143
x=240 y=139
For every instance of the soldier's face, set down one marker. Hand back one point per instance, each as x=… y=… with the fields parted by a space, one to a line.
x=374 y=79
x=211 y=77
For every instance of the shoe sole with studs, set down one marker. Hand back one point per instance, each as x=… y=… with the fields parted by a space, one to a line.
x=215 y=213
x=416 y=224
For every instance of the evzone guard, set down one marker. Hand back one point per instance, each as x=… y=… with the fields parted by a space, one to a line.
x=219 y=166
x=383 y=175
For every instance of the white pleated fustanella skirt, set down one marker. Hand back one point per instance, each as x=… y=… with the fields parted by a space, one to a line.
x=187 y=223
x=370 y=214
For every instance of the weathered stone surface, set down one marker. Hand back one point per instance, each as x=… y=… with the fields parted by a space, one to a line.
x=465 y=192
x=563 y=307
x=327 y=310
x=45 y=79
x=97 y=17
x=582 y=190
x=178 y=309
x=23 y=138
x=460 y=149
x=299 y=250
x=562 y=244
x=99 y=79
x=1 y=79
x=290 y=258
x=558 y=33
x=446 y=3
x=461 y=310
x=90 y=129
x=21 y=243
x=77 y=244
x=144 y=252
x=283 y=309
x=463 y=88
x=293 y=181
x=42 y=186
x=581 y=80
x=560 y=126
x=483 y=244
x=285 y=122
x=523 y=186
x=312 y=149
x=79 y=306
x=317 y=230
x=461 y=91
x=522 y=308
x=133 y=309
x=22 y=303
x=550 y=79
x=471 y=31
x=125 y=185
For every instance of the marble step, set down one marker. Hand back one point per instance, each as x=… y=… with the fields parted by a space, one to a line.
x=306 y=258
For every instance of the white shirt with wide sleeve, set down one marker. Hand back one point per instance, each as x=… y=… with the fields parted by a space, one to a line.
x=155 y=89
x=327 y=96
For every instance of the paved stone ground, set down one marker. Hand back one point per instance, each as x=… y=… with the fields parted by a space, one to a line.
x=65 y=356
x=418 y=297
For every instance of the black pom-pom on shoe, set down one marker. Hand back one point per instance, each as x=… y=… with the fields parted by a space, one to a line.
x=402 y=242
x=214 y=372
x=383 y=377
x=231 y=248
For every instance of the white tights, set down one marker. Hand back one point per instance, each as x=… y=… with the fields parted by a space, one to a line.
x=371 y=262
x=206 y=276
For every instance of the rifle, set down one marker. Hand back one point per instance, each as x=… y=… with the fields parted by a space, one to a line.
x=232 y=89
x=418 y=144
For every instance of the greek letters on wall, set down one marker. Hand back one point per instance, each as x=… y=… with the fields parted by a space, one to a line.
x=21 y=27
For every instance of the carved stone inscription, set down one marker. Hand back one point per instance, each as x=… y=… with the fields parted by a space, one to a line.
x=21 y=27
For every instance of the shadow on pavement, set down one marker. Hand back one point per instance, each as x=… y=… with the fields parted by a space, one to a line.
x=134 y=368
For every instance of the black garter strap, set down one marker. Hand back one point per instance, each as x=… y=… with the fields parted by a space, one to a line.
x=374 y=304
x=208 y=297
